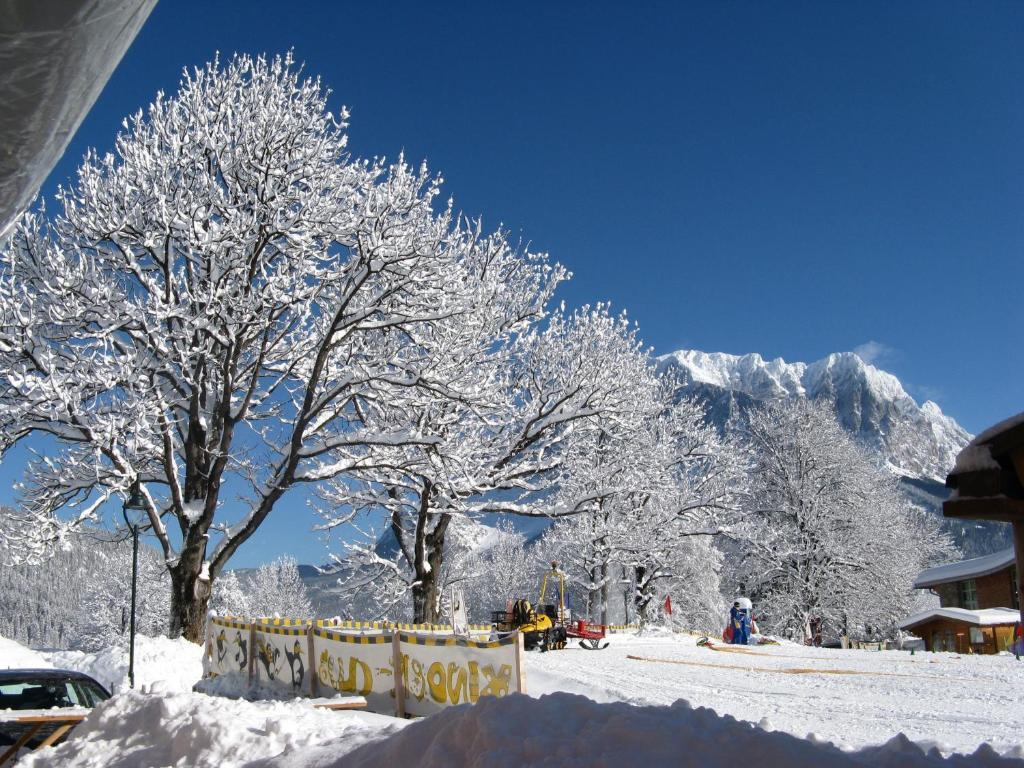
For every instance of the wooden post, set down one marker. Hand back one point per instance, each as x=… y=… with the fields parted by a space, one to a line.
x=208 y=651
x=396 y=647
x=1018 y=546
x=314 y=680
x=252 y=649
x=520 y=670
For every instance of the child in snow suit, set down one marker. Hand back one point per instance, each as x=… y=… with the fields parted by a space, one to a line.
x=739 y=622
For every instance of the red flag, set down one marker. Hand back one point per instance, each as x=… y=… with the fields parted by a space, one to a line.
x=668 y=605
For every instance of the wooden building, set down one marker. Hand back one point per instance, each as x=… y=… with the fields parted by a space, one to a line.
x=986 y=630
x=981 y=582
x=979 y=603
x=988 y=484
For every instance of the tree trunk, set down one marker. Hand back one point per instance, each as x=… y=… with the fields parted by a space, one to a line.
x=190 y=595
x=604 y=592
x=426 y=588
x=594 y=597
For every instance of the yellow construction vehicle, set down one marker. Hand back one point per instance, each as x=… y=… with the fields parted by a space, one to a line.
x=547 y=625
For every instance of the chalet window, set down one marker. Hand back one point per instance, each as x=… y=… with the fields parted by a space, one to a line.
x=968 y=594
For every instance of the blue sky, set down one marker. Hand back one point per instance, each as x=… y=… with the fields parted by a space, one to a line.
x=789 y=178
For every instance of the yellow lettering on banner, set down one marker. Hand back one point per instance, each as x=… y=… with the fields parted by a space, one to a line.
x=497 y=682
x=457 y=683
x=437 y=680
x=474 y=682
x=413 y=668
x=349 y=683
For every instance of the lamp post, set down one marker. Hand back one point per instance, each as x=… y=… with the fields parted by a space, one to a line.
x=133 y=502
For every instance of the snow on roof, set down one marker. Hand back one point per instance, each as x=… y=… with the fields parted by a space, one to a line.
x=984 y=617
x=997 y=429
x=965 y=569
x=975 y=458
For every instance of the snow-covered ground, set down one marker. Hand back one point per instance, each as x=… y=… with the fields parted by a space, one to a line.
x=852 y=698
x=585 y=708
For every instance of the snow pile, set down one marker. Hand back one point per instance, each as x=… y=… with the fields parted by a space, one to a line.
x=165 y=728
x=175 y=664
x=14 y=655
x=565 y=730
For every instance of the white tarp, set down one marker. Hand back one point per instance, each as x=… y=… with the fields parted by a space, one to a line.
x=281 y=657
x=229 y=646
x=350 y=664
x=55 y=57
x=442 y=672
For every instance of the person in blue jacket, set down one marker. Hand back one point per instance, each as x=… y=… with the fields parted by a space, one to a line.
x=739 y=621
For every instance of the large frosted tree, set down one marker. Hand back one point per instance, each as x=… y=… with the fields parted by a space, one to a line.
x=828 y=534
x=655 y=484
x=506 y=447
x=225 y=308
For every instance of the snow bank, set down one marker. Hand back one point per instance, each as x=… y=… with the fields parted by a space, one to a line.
x=565 y=730
x=176 y=665
x=14 y=655
x=163 y=728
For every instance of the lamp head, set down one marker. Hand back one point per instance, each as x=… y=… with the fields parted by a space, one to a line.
x=134 y=502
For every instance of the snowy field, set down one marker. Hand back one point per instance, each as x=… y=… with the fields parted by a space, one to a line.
x=850 y=698
x=594 y=709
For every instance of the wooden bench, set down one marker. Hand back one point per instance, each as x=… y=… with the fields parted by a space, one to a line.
x=62 y=723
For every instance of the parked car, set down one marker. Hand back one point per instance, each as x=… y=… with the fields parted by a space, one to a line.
x=42 y=689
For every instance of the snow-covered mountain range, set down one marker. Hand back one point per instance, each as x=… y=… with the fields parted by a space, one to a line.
x=919 y=443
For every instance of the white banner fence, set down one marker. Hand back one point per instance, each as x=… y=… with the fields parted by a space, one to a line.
x=320 y=658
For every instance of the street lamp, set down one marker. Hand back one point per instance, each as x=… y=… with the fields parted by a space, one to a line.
x=135 y=503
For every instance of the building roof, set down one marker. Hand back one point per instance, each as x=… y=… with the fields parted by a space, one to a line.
x=974 y=568
x=988 y=478
x=55 y=57
x=985 y=617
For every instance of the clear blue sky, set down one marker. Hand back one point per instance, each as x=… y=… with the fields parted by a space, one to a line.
x=789 y=178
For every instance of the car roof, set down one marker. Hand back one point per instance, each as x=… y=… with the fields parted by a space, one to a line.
x=7 y=675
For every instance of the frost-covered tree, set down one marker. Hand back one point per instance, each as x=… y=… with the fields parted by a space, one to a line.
x=80 y=597
x=230 y=597
x=277 y=589
x=104 y=615
x=503 y=449
x=662 y=480
x=499 y=570
x=828 y=534
x=226 y=301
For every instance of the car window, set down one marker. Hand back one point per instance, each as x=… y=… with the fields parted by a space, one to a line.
x=12 y=689
x=89 y=694
x=44 y=694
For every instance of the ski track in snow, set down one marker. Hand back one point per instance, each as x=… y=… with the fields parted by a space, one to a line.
x=953 y=702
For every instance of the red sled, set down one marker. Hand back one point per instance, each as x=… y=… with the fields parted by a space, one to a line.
x=588 y=634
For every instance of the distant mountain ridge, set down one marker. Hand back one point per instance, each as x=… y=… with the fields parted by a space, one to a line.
x=919 y=443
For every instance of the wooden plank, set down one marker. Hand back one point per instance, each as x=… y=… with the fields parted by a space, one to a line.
x=314 y=680
x=985 y=508
x=520 y=667
x=396 y=647
x=75 y=719
x=342 y=705
x=252 y=649
x=58 y=732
